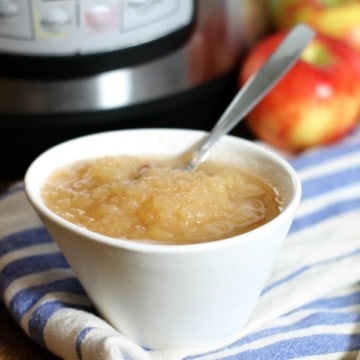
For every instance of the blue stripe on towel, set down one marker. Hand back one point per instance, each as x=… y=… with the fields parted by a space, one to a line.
x=300 y=271
x=296 y=347
x=336 y=302
x=314 y=319
x=25 y=238
x=302 y=346
x=325 y=184
x=325 y=213
x=30 y=265
x=26 y=298
x=341 y=342
x=79 y=340
x=41 y=315
x=329 y=154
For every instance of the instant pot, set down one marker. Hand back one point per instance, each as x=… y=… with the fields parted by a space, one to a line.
x=72 y=67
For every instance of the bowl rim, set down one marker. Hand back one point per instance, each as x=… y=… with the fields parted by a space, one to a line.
x=148 y=246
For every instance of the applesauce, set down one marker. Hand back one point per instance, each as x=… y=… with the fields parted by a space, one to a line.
x=153 y=200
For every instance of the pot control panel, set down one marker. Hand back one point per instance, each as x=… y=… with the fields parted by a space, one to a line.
x=67 y=27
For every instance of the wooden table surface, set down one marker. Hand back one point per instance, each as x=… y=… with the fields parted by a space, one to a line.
x=14 y=343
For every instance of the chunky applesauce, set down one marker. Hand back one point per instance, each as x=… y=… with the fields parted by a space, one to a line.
x=152 y=200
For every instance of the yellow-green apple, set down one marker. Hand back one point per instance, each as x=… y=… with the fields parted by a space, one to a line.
x=335 y=18
x=316 y=102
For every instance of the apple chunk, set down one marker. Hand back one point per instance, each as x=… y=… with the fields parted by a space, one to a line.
x=317 y=101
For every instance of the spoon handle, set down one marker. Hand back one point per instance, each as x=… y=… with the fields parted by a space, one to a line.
x=256 y=88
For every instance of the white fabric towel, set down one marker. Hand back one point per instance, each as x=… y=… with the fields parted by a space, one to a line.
x=309 y=308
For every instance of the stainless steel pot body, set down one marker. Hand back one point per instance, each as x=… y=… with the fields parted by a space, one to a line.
x=73 y=67
x=65 y=64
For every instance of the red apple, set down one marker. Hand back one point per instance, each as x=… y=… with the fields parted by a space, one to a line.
x=316 y=102
x=335 y=18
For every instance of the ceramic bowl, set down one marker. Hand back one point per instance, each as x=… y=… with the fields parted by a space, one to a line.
x=166 y=296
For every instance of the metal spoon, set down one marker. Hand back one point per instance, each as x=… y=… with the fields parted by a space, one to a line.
x=254 y=90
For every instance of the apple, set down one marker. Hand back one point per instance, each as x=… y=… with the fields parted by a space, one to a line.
x=335 y=18
x=316 y=102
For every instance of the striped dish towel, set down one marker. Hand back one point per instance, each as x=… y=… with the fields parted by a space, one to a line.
x=309 y=308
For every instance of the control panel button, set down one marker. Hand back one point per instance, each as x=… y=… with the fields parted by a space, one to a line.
x=142 y=13
x=55 y=19
x=56 y=27
x=8 y=9
x=15 y=23
x=102 y=17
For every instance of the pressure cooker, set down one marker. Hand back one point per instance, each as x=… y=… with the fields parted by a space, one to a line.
x=71 y=67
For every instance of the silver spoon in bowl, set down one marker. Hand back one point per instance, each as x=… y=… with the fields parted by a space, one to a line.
x=278 y=64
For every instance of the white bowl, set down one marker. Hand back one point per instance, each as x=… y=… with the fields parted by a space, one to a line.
x=165 y=296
